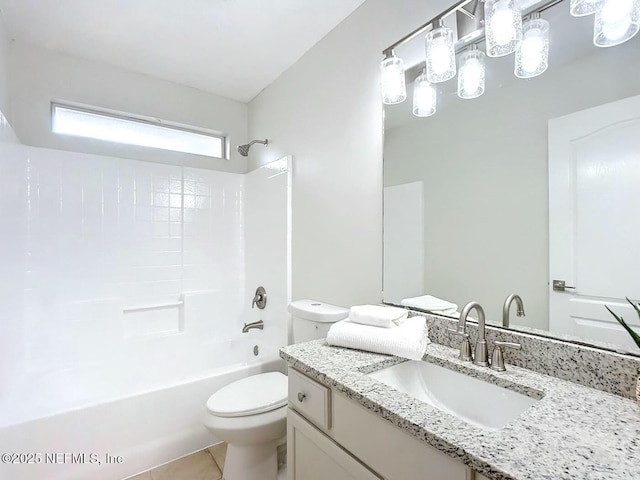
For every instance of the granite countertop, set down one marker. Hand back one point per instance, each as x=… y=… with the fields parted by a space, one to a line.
x=572 y=432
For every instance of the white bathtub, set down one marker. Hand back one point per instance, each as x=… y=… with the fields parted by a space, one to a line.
x=145 y=429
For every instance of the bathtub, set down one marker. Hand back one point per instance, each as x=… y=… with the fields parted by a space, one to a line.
x=124 y=435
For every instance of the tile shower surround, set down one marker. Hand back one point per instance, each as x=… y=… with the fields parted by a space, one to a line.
x=85 y=232
x=600 y=369
x=85 y=236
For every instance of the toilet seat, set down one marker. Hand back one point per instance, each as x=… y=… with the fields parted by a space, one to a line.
x=250 y=396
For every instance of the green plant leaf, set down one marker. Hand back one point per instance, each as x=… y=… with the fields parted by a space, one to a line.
x=635 y=307
x=634 y=335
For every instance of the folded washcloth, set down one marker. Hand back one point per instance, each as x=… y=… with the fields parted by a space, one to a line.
x=377 y=315
x=431 y=303
x=408 y=340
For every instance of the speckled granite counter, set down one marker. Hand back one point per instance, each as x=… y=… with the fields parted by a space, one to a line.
x=572 y=433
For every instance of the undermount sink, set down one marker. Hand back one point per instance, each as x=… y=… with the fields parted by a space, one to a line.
x=470 y=399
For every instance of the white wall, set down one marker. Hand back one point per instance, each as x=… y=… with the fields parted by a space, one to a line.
x=11 y=238
x=267 y=248
x=485 y=166
x=39 y=76
x=4 y=70
x=326 y=111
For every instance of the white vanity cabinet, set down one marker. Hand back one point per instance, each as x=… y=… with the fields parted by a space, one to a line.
x=331 y=436
x=311 y=455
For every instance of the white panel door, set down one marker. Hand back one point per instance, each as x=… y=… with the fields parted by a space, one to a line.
x=594 y=231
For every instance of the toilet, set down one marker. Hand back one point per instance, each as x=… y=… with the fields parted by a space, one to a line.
x=251 y=414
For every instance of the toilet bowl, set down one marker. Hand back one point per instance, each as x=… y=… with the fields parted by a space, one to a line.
x=251 y=414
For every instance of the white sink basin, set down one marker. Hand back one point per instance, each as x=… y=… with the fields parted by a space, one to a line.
x=470 y=399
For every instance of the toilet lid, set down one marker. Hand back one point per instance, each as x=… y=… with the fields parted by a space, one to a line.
x=250 y=396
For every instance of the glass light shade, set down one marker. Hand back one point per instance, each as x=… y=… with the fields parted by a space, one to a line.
x=616 y=22
x=503 y=27
x=392 y=81
x=424 y=97
x=532 y=55
x=441 y=55
x=581 y=8
x=471 y=74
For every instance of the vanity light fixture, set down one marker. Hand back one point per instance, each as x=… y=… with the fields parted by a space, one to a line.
x=504 y=32
x=503 y=27
x=392 y=79
x=424 y=97
x=581 y=8
x=532 y=55
x=616 y=22
x=471 y=73
x=440 y=53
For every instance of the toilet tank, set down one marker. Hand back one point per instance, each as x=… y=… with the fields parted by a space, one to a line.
x=311 y=319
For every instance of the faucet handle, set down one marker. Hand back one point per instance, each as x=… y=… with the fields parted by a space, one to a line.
x=260 y=298
x=497 y=359
x=465 y=346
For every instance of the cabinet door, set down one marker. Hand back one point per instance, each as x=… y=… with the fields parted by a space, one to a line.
x=314 y=456
x=387 y=449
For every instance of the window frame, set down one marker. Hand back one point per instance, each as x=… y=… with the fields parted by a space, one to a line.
x=130 y=117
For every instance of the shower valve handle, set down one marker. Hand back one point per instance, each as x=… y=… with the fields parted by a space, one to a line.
x=260 y=298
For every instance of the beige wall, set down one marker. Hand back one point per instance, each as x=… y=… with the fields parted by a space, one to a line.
x=39 y=76
x=326 y=112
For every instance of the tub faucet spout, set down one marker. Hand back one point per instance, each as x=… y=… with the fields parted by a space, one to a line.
x=249 y=326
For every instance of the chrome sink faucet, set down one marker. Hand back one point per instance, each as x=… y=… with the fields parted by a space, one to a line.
x=507 y=306
x=481 y=353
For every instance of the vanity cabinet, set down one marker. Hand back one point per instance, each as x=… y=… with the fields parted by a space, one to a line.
x=311 y=455
x=331 y=436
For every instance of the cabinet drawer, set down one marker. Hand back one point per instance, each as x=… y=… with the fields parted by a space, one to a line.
x=310 y=398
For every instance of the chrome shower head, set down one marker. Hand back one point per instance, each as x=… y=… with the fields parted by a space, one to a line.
x=244 y=149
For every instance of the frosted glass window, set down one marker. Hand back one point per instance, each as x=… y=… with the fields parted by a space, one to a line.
x=102 y=126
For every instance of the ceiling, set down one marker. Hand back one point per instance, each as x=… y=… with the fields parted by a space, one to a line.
x=233 y=48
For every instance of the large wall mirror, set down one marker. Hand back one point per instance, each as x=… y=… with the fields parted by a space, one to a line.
x=534 y=181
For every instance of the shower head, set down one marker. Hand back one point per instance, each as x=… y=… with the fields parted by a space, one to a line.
x=244 y=149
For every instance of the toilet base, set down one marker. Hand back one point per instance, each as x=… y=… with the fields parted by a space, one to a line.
x=251 y=462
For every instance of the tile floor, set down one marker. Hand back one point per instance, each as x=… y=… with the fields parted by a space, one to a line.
x=206 y=464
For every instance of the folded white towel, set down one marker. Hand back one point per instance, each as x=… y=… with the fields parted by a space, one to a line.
x=377 y=315
x=408 y=340
x=431 y=303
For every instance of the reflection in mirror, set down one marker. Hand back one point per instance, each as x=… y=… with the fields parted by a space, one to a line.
x=536 y=180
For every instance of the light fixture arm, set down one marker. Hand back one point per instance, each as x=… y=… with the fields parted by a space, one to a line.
x=426 y=26
x=457 y=6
